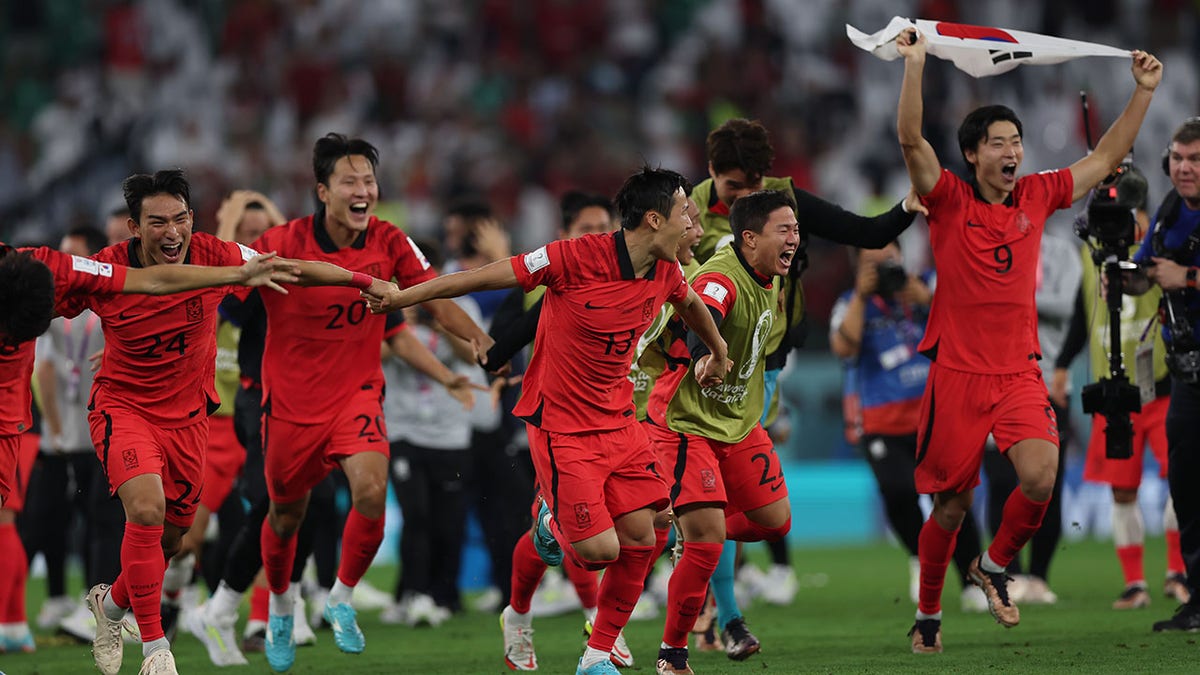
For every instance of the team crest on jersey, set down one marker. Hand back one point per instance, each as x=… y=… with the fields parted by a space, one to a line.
x=708 y=480
x=648 y=309
x=1023 y=222
x=194 y=309
x=129 y=458
x=583 y=518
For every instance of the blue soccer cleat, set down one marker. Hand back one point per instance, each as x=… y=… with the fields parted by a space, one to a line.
x=605 y=667
x=543 y=539
x=343 y=620
x=280 y=643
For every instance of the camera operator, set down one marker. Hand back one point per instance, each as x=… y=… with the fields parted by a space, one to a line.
x=875 y=329
x=1169 y=256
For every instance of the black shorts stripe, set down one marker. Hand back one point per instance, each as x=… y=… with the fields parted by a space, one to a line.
x=106 y=443
x=928 y=426
x=680 y=467
x=553 y=476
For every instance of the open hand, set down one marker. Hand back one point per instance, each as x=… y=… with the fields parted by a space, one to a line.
x=384 y=296
x=270 y=271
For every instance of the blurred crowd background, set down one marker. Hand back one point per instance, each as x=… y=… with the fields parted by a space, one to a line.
x=518 y=102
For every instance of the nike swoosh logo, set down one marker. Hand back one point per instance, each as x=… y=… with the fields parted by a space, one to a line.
x=970 y=224
x=143 y=595
x=589 y=305
x=124 y=317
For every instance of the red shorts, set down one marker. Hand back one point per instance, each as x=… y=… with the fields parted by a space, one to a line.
x=17 y=456
x=225 y=459
x=128 y=446
x=588 y=480
x=1149 y=426
x=739 y=476
x=298 y=456
x=958 y=412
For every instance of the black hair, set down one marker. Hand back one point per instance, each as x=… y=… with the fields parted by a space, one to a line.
x=750 y=213
x=92 y=237
x=26 y=297
x=333 y=146
x=432 y=250
x=648 y=190
x=974 y=127
x=573 y=202
x=470 y=209
x=139 y=186
x=741 y=144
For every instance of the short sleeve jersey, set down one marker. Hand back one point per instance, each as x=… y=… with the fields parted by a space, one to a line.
x=594 y=311
x=984 y=313
x=322 y=344
x=73 y=277
x=160 y=351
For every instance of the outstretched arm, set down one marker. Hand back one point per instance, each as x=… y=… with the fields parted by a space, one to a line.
x=919 y=156
x=832 y=222
x=489 y=277
x=712 y=367
x=264 y=270
x=1114 y=145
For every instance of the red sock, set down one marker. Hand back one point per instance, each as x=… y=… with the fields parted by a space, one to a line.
x=527 y=572
x=740 y=528
x=1174 y=556
x=569 y=553
x=278 y=555
x=585 y=582
x=360 y=540
x=1021 y=519
x=685 y=592
x=619 y=592
x=1131 y=563
x=142 y=568
x=661 y=537
x=935 y=548
x=260 y=604
x=119 y=592
x=14 y=570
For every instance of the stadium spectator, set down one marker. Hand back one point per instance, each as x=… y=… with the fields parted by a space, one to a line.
x=984 y=378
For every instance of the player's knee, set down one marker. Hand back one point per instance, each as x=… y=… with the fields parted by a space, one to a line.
x=146 y=510
x=285 y=523
x=778 y=532
x=597 y=555
x=370 y=499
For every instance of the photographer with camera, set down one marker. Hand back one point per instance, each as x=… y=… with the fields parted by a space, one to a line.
x=875 y=328
x=1090 y=327
x=1169 y=257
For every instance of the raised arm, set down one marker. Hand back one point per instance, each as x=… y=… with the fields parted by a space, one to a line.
x=492 y=276
x=1114 y=145
x=919 y=156
x=264 y=270
x=830 y=221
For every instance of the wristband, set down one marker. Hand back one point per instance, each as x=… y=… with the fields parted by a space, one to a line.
x=1191 y=276
x=360 y=280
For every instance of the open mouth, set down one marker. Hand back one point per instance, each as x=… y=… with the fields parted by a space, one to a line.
x=172 y=251
x=785 y=258
x=1009 y=171
x=359 y=208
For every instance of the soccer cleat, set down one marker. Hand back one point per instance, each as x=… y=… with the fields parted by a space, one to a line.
x=673 y=661
x=598 y=668
x=1134 y=596
x=79 y=624
x=544 y=543
x=620 y=654
x=55 y=610
x=740 y=643
x=160 y=662
x=1187 y=619
x=301 y=631
x=280 y=645
x=926 y=636
x=168 y=611
x=708 y=638
x=1037 y=592
x=995 y=587
x=107 y=645
x=1176 y=587
x=973 y=600
x=344 y=621
x=780 y=585
x=21 y=643
x=518 y=643
x=216 y=633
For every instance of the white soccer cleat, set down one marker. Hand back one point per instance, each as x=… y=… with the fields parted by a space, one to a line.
x=217 y=635
x=780 y=585
x=301 y=631
x=54 y=610
x=518 y=643
x=973 y=600
x=107 y=646
x=161 y=662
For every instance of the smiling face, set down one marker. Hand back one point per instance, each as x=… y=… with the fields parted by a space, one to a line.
x=997 y=157
x=165 y=230
x=351 y=195
x=677 y=226
x=770 y=252
x=691 y=238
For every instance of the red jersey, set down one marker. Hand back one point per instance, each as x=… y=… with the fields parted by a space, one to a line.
x=322 y=344
x=73 y=276
x=594 y=312
x=984 y=314
x=160 y=351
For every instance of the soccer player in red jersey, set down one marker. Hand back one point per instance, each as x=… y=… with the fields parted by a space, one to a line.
x=982 y=331
x=323 y=384
x=592 y=458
